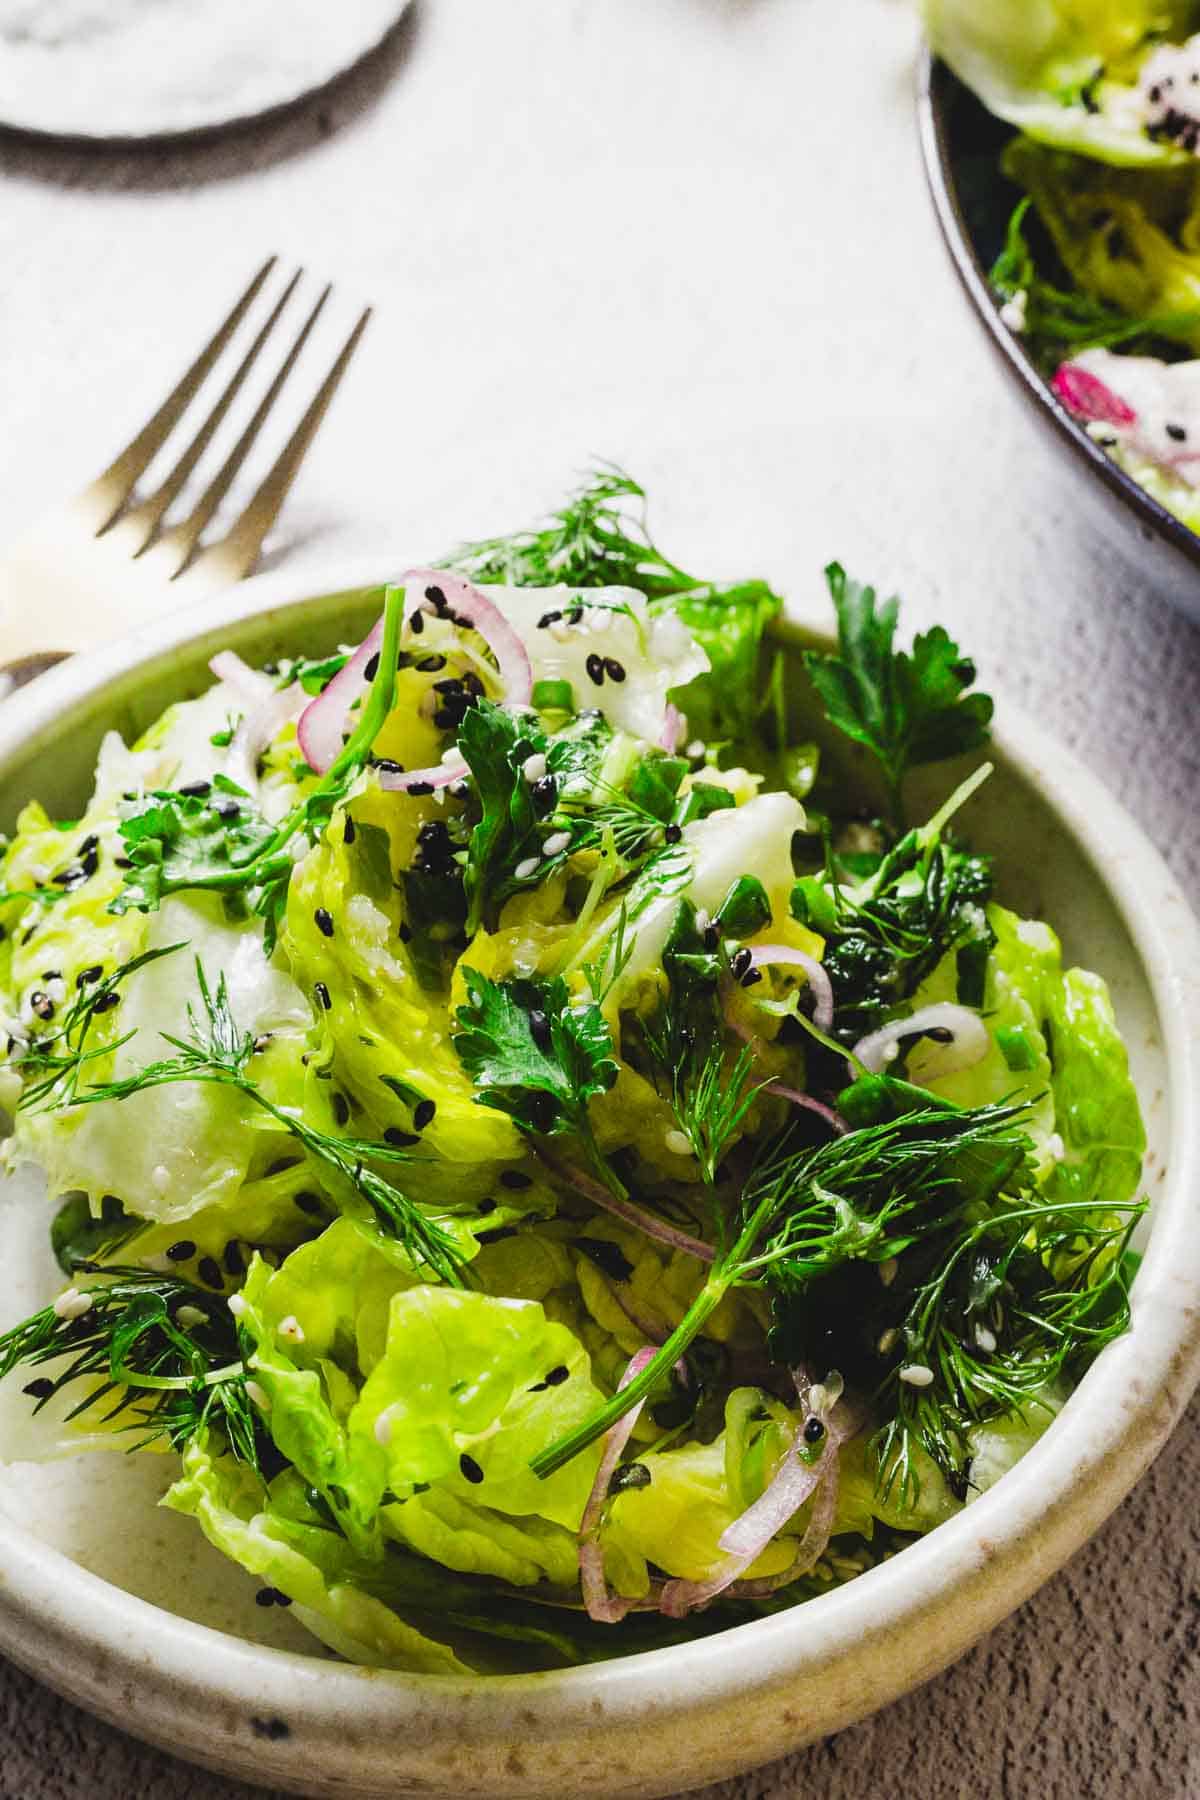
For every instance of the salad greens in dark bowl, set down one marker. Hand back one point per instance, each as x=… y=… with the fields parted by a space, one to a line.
x=1068 y=190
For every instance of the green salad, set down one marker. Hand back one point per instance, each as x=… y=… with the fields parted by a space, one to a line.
x=1100 y=274
x=562 y=1160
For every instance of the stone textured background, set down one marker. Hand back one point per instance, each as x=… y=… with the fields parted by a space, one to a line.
x=693 y=237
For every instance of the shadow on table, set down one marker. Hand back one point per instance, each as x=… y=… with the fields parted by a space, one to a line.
x=223 y=153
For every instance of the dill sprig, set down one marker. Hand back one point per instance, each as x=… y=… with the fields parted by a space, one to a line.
x=52 y=1066
x=919 y=1191
x=165 y=1353
x=218 y=1050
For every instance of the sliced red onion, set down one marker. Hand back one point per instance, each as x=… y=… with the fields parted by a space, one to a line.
x=625 y=1210
x=969 y=1040
x=833 y=1119
x=762 y=955
x=257 y=729
x=323 y=723
x=250 y=685
x=673 y=727
x=1089 y=398
x=748 y=1536
x=605 y=1607
x=651 y=1327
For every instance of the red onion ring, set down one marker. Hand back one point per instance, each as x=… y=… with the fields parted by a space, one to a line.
x=965 y=1027
x=624 y=1210
x=605 y=1607
x=833 y=1119
x=651 y=1328
x=1085 y=395
x=812 y=1545
x=673 y=723
x=818 y=977
x=748 y=1536
x=323 y=721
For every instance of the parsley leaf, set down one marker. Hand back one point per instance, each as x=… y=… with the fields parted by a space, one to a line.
x=905 y=707
x=534 y=1053
x=179 y=840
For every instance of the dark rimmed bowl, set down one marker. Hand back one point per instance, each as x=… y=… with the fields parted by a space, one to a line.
x=961 y=143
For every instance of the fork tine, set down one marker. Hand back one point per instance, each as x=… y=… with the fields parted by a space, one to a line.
x=141 y=522
x=236 y=554
x=110 y=490
x=179 y=543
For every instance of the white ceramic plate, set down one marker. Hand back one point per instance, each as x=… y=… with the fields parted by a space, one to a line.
x=123 y=1620
x=129 y=69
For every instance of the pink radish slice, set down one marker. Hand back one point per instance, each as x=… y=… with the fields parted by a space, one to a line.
x=1089 y=398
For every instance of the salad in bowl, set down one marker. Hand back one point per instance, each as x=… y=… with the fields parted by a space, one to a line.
x=1099 y=275
x=562 y=1168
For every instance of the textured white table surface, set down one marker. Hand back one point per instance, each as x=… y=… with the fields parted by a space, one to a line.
x=694 y=237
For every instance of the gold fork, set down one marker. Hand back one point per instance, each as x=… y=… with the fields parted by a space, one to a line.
x=110 y=558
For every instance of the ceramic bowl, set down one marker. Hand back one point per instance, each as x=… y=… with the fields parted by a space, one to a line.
x=114 y=1609
x=961 y=143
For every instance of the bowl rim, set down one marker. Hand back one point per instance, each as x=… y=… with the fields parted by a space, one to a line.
x=936 y=83
x=801 y=1673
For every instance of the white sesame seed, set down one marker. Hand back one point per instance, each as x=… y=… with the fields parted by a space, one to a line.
x=695 y=748
x=888 y=1340
x=1055 y=1146
x=237 y=1305
x=383 y=1427
x=258 y=1395
x=534 y=767
x=56 y=989
x=190 y=1316
x=985 y=1339
x=818 y=1399
x=677 y=1142
x=556 y=844
x=703 y=919
x=599 y=617
x=160 y=1175
x=40 y=874
x=529 y=867
x=560 y=631
x=887 y=1271
x=916 y=1375
x=291 y=1329
x=72 y=1304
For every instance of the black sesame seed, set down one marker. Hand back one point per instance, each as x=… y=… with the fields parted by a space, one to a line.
x=741 y=961
x=547 y=619
x=400 y=1140
x=348 y=831
x=630 y=1475
x=513 y=1178
x=341 y=1108
x=42 y=1004
x=105 y=1001
x=1177 y=433
x=470 y=1469
x=122 y=862
x=613 y=669
x=608 y=1257
x=814 y=1431
x=485 y=1207
x=429 y=665
x=265 y=1597
x=323 y=921
x=458 y=790
x=386 y=765
x=416 y=623
x=595 y=669
x=209 y=1271
x=310 y=1203
x=51 y=974
x=371 y=668
x=437 y=595
x=575 y=615
x=495 y=1234
x=196 y=790
x=750 y=977
x=433 y=831
x=228 y=809
x=539 y=1029
x=423 y=1113
x=419 y=789
x=711 y=936
x=182 y=1251
x=232 y=1259
x=558 y=1375
x=41 y=1389
x=91 y=842
x=451 y=685
x=281 y=1599
x=322 y=993
x=544 y=792
x=92 y=973
x=673 y=833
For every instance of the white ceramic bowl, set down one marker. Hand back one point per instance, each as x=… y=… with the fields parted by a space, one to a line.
x=670 y=1719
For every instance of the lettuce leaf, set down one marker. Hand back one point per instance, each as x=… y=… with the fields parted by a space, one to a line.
x=1095 y=1102
x=1062 y=70
x=316 y=1569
